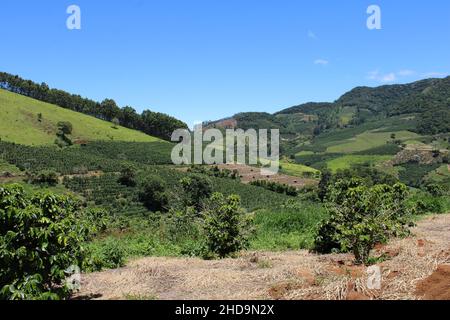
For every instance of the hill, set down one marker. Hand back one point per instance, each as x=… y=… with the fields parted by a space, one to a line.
x=360 y=105
x=21 y=123
x=153 y=123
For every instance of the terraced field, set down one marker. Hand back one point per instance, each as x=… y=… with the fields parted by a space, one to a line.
x=369 y=140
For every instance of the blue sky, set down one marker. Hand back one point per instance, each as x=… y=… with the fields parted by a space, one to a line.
x=207 y=59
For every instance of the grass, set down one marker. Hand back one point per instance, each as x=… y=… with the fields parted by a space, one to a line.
x=6 y=167
x=295 y=169
x=280 y=229
x=287 y=229
x=347 y=161
x=441 y=174
x=19 y=123
x=370 y=140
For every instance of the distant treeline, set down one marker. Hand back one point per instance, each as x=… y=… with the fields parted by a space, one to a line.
x=152 y=123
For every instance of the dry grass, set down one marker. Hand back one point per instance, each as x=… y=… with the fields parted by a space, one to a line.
x=286 y=275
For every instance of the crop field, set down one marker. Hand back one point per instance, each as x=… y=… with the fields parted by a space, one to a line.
x=441 y=174
x=19 y=123
x=343 y=136
x=347 y=161
x=5 y=167
x=369 y=140
x=296 y=169
x=100 y=156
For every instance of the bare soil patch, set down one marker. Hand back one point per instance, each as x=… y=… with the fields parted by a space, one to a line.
x=249 y=174
x=416 y=268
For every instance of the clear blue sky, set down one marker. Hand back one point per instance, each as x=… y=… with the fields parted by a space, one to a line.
x=207 y=59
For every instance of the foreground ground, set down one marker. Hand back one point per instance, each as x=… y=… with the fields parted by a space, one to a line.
x=415 y=268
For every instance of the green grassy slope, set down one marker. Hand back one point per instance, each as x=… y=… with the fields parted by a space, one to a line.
x=19 y=123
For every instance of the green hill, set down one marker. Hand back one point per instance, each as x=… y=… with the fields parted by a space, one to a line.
x=31 y=122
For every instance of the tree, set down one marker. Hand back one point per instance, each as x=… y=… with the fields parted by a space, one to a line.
x=362 y=216
x=196 y=188
x=115 y=123
x=64 y=128
x=41 y=236
x=324 y=183
x=45 y=177
x=127 y=176
x=153 y=194
x=109 y=109
x=227 y=228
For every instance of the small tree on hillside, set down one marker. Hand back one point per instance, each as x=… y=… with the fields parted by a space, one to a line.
x=153 y=194
x=196 y=189
x=65 y=128
x=362 y=216
x=127 y=176
x=226 y=225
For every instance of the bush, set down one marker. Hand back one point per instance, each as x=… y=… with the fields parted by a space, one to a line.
x=127 y=176
x=112 y=255
x=227 y=228
x=196 y=189
x=435 y=190
x=41 y=236
x=46 y=177
x=153 y=194
x=362 y=216
x=276 y=187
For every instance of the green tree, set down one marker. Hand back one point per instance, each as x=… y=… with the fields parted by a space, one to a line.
x=65 y=128
x=128 y=176
x=362 y=216
x=41 y=236
x=153 y=194
x=227 y=227
x=196 y=189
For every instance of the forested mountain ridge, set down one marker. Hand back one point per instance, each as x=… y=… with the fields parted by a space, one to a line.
x=428 y=100
x=152 y=123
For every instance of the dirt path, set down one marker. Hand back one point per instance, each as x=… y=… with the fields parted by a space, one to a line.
x=284 y=275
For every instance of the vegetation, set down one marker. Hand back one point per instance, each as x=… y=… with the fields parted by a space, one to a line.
x=196 y=189
x=152 y=123
x=226 y=226
x=132 y=202
x=362 y=216
x=54 y=227
x=19 y=123
x=276 y=187
x=153 y=194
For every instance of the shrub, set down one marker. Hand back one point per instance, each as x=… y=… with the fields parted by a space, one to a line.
x=276 y=187
x=435 y=190
x=227 y=228
x=153 y=194
x=41 y=236
x=112 y=254
x=46 y=177
x=196 y=189
x=362 y=216
x=127 y=176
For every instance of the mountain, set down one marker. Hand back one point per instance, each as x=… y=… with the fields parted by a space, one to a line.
x=33 y=122
x=428 y=101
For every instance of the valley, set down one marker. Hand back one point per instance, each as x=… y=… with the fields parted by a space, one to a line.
x=141 y=227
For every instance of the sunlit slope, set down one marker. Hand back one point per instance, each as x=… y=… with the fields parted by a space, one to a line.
x=20 y=123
